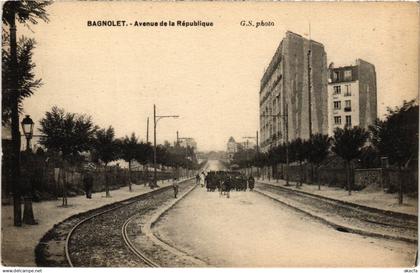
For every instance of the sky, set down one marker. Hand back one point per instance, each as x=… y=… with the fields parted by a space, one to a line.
x=209 y=76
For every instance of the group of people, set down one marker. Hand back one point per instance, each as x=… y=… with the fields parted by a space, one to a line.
x=225 y=182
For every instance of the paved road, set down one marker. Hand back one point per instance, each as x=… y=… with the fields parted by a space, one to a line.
x=250 y=230
x=214 y=165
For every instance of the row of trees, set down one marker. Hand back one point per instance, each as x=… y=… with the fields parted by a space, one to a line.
x=395 y=137
x=70 y=135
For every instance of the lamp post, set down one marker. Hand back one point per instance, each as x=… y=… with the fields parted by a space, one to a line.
x=286 y=129
x=28 y=214
x=27 y=127
x=156 y=119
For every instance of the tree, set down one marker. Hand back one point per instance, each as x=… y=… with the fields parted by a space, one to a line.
x=129 y=149
x=397 y=136
x=106 y=150
x=318 y=147
x=300 y=151
x=27 y=83
x=67 y=134
x=348 y=144
x=260 y=160
x=144 y=155
x=24 y=11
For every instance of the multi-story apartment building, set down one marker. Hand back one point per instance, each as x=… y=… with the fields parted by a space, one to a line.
x=352 y=96
x=293 y=92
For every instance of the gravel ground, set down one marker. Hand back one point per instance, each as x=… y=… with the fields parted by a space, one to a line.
x=50 y=250
x=99 y=243
x=250 y=230
x=18 y=243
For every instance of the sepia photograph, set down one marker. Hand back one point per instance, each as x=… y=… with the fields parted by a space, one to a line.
x=201 y=134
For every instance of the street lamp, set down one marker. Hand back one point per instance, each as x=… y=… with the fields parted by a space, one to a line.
x=27 y=127
x=156 y=118
x=286 y=128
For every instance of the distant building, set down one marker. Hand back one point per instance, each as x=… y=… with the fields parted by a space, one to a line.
x=294 y=86
x=188 y=142
x=352 y=96
x=232 y=148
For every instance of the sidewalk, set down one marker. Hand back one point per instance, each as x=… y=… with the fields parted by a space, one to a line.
x=376 y=199
x=18 y=243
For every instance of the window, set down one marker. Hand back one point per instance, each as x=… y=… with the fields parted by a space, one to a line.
x=348 y=121
x=347 y=107
x=337 y=120
x=337 y=90
x=336 y=75
x=347 y=91
x=337 y=105
x=347 y=75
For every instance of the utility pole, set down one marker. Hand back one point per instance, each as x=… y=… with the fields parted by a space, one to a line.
x=258 y=147
x=186 y=148
x=309 y=83
x=147 y=142
x=156 y=118
x=247 y=150
x=154 y=183
x=147 y=131
x=286 y=123
x=258 y=153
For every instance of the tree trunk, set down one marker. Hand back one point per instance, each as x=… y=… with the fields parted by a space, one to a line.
x=28 y=213
x=15 y=173
x=312 y=173
x=106 y=182
x=400 y=191
x=317 y=178
x=129 y=176
x=348 y=176
x=300 y=183
x=64 y=178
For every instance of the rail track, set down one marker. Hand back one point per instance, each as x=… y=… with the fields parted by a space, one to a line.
x=385 y=224
x=133 y=249
x=100 y=237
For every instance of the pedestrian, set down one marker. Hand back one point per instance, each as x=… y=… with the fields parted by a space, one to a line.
x=175 y=186
x=251 y=182
x=88 y=184
x=197 y=179
x=228 y=185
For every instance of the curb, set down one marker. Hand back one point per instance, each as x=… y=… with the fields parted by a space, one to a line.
x=402 y=215
x=339 y=226
x=155 y=218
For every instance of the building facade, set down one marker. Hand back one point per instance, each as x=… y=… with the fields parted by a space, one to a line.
x=232 y=148
x=352 y=96
x=294 y=92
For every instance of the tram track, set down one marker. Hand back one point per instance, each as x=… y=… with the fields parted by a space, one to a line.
x=344 y=216
x=100 y=237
